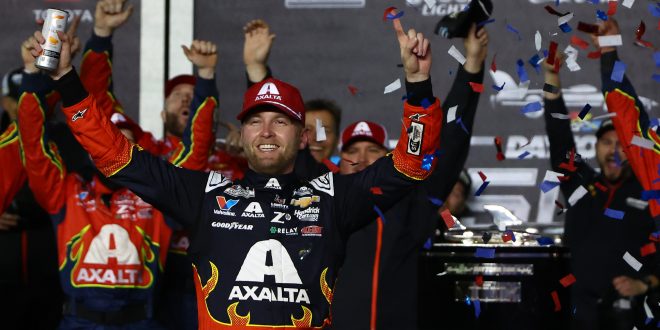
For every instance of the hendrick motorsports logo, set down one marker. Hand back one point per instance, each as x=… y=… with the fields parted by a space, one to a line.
x=298 y=4
x=438 y=7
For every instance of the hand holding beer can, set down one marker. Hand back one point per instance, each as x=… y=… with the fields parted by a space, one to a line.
x=56 y=20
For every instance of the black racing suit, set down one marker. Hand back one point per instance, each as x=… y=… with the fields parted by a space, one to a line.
x=265 y=249
x=597 y=242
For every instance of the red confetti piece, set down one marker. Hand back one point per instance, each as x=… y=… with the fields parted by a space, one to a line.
x=654 y=237
x=331 y=166
x=552 y=52
x=641 y=29
x=564 y=178
x=493 y=66
x=552 y=11
x=483 y=176
x=594 y=55
x=476 y=87
x=567 y=281
x=578 y=42
x=507 y=237
x=449 y=220
x=498 y=145
x=600 y=187
x=479 y=281
x=376 y=191
x=611 y=8
x=387 y=11
x=352 y=89
x=648 y=249
x=587 y=28
x=555 y=299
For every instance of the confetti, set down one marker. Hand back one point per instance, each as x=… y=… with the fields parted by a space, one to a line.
x=610 y=41
x=320 y=130
x=585 y=110
x=543 y=241
x=654 y=10
x=656 y=58
x=427 y=162
x=451 y=114
x=601 y=187
x=537 y=40
x=639 y=34
x=477 y=308
x=448 y=218
x=477 y=87
x=522 y=74
x=614 y=214
x=532 y=107
x=571 y=59
x=560 y=206
x=577 y=195
x=428 y=244
x=601 y=15
x=479 y=280
x=483 y=23
x=512 y=29
x=550 y=88
x=650 y=194
x=485 y=253
x=352 y=89
x=456 y=54
x=552 y=53
x=523 y=155
x=435 y=201
x=567 y=280
x=587 y=28
x=656 y=77
x=563 y=20
x=482 y=188
x=611 y=8
x=486 y=237
x=499 y=88
x=647 y=249
x=376 y=190
x=493 y=66
x=642 y=142
x=632 y=262
x=460 y=122
x=393 y=86
x=508 y=236
x=535 y=62
x=618 y=71
x=331 y=166
x=594 y=55
x=565 y=28
x=426 y=103
x=555 y=299
x=548 y=185
x=387 y=14
x=579 y=42
x=558 y=115
x=628 y=3
x=552 y=11
x=498 y=146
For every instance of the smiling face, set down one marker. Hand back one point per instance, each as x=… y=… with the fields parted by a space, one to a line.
x=177 y=109
x=606 y=147
x=271 y=141
x=321 y=149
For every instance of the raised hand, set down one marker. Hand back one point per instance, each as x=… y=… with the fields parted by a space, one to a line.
x=204 y=55
x=551 y=75
x=33 y=45
x=109 y=15
x=72 y=33
x=476 y=49
x=415 y=53
x=258 y=42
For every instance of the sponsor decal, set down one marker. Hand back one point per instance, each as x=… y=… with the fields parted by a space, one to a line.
x=279 y=203
x=310 y=214
x=239 y=191
x=438 y=7
x=279 y=216
x=268 y=92
x=304 y=202
x=231 y=225
x=311 y=231
x=225 y=206
x=362 y=129
x=216 y=180
x=284 y=231
x=253 y=210
x=417 y=116
x=273 y=184
x=257 y=265
x=78 y=115
x=415 y=138
x=303 y=191
x=324 y=183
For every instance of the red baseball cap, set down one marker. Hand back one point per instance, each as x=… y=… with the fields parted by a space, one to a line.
x=178 y=80
x=276 y=93
x=364 y=130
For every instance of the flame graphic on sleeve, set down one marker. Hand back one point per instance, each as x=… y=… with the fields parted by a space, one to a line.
x=305 y=321
x=325 y=288
x=212 y=282
x=234 y=318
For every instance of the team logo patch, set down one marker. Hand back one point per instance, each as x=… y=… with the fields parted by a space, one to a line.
x=303 y=191
x=324 y=183
x=311 y=231
x=216 y=180
x=239 y=191
x=225 y=204
x=310 y=214
x=304 y=202
x=78 y=115
x=415 y=138
x=253 y=210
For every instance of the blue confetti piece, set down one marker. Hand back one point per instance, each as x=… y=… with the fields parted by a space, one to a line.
x=648 y=321
x=601 y=15
x=510 y=233
x=428 y=244
x=468 y=301
x=618 y=71
x=427 y=162
x=335 y=160
x=585 y=110
x=459 y=121
x=512 y=29
x=655 y=11
x=436 y=201
x=485 y=253
x=556 y=3
x=545 y=241
x=393 y=17
x=548 y=185
x=477 y=308
x=534 y=62
x=656 y=58
x=650 y=194
x=654 y=122
x=656 y=77
x=523 y=155
x=614 y=214
x=522 y=74
x=426 y=103
x=545 y=53
x=532 y=107
x=380 y=213
x=481 y=188
x=483 y=23
x=499 y=88
x=617 y=159
x=595 y=2
x=565 y=28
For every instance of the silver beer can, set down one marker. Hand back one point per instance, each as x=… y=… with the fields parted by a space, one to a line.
x=56 y=20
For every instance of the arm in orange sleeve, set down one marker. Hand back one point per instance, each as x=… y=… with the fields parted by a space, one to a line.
x=44 y=167
x=199 y=135
x=96 y=73
x=12 y=173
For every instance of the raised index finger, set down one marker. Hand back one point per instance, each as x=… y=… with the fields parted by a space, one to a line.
x=398 y=28
x=71 y=31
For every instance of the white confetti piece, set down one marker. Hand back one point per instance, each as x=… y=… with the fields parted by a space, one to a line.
x=456 y=54
x=552 y=176
x=564 y=19
x=393 y=86
x=537 y=40
x=558 y=115
x=642 y=142
x=647 y=309
x=636 y=265
x=607 y=115
x=628 y=3
x=577 y=195
x=320 y=130
x=451 y=114
x=609 y=41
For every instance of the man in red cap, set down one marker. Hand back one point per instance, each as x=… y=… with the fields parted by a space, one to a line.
x=265 y=249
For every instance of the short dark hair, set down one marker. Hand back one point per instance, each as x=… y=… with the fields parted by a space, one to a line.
x=325 y=105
